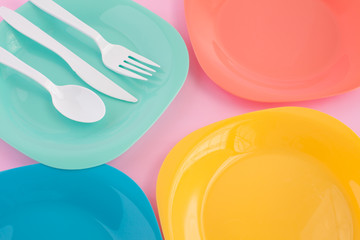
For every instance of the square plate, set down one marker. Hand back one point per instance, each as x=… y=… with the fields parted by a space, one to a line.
x=281 y=173
x=277 y=50
x=30 y=123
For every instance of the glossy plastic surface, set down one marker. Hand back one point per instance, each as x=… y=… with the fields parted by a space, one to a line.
x=28 y=121
x=277 y=50
x=42 y=203
x=279 y=174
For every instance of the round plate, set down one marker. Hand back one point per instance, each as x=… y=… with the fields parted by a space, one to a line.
x=286 y=173
x=42 y=203
x=30 y=123
x=277 y=50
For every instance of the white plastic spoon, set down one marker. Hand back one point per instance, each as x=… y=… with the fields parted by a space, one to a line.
x=74 y=102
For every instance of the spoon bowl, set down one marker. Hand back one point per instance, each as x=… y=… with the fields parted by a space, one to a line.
x=78 y=103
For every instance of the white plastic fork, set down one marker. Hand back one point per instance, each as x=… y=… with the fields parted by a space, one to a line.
x=115 y=57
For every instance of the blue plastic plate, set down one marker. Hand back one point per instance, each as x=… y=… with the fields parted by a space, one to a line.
x=43 y=203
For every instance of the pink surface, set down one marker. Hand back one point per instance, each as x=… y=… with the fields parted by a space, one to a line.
x=199 y=103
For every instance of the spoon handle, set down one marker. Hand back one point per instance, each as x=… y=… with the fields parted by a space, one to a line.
x=13 y=62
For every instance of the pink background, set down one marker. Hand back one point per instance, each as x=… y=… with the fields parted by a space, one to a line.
x=199 y=103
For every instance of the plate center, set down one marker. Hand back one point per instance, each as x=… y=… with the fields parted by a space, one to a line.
x=277 y=196
x=284 y=39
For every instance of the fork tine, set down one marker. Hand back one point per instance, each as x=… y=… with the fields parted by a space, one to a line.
x=129 y=66
x=143 y=59
x=123 y=71
x=136 y=63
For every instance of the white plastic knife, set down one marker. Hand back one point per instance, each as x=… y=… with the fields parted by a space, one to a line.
x=86 y=72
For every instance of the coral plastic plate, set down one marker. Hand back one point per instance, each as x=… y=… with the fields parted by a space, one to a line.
x=42 y=203
x=30 y=123
x=279 y=174
x=278 y=50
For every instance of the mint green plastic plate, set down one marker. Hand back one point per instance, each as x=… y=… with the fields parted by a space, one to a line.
x=30 y=123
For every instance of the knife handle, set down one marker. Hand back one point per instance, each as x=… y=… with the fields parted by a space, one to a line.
x=27 y=28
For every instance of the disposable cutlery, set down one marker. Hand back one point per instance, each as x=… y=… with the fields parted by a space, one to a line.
x=89 y=74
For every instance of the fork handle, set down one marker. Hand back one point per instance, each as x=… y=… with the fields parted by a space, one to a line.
x=62 y=14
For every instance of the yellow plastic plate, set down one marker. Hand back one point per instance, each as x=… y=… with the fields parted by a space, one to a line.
x=280 y=174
